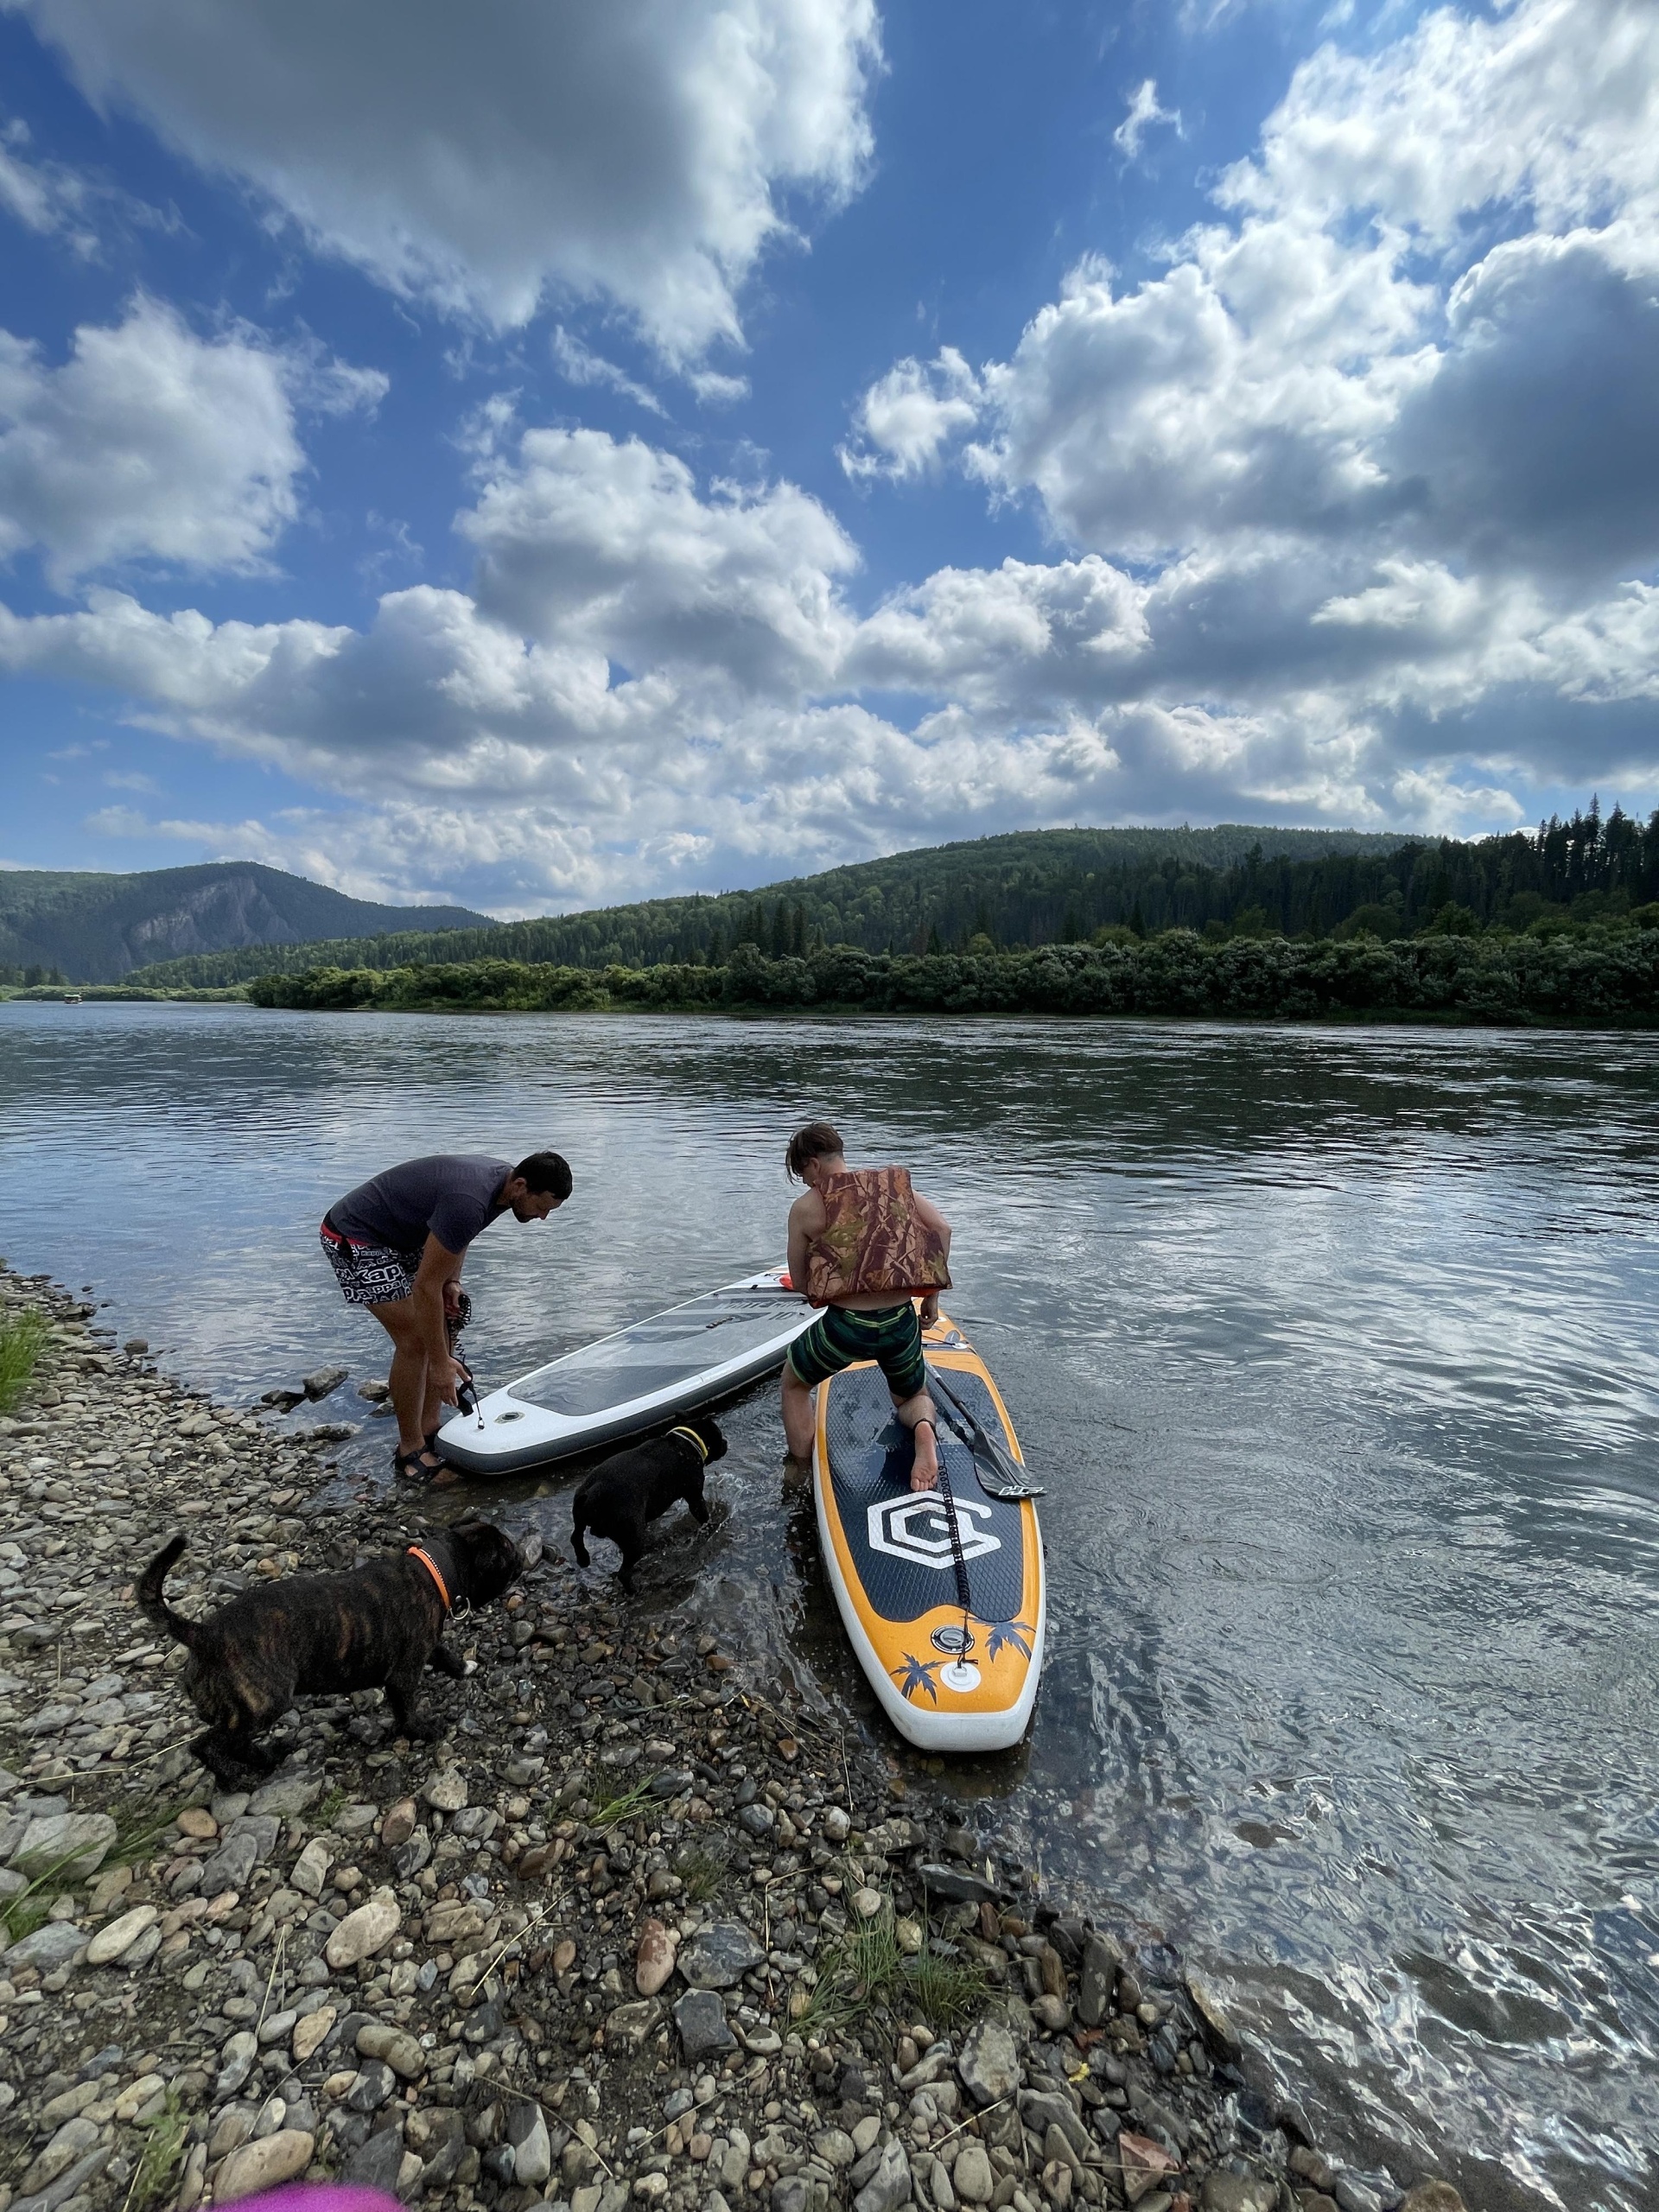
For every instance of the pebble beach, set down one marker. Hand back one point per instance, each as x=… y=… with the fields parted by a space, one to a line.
x=630 y=1930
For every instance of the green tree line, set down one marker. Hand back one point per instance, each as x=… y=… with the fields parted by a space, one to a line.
x=1596 y=975
x=1061 y=886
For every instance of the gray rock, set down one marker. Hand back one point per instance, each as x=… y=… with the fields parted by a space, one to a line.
x=54 y=1945
x=1218 y=2031
x=793 y=2193
x=322 y=1383
x=958 y=1885
x=374 y=2084
x=288 y=1794
x=1042 y=2109
x=673 y=1781
x=701 y=2019
x=719 y=1957
x=67 y=2185
x=238 y=2054
x=375 y=2164
x=1357 y=2192
x=972 y=2176
x=1101 y=1958
x=889 y=2186
x=757 y=1820
x=231 y=1864
x=834 y=2146
x=533 y=2151
x=70 y=1846
x=1225 y=2192
x=989 y=2068
x=628 y=2027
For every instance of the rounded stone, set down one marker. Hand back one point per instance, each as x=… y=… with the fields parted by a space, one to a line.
x=971 y=2175
x=654 y=1961
x=365 y=1932
x=265 y=2164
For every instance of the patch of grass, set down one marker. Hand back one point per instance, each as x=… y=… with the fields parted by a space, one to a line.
x=702 y=1871
x=948 y=1991
x=330 y=1805
x=615 y=1810
x=155 y=2176
x=868 y=1966
x=23 y=1339
x=138 y=1829
x=24 y=1913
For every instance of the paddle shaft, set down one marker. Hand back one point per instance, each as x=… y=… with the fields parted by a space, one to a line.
x=982 y=1442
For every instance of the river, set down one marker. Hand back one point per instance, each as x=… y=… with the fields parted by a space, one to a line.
x=1334 y=1348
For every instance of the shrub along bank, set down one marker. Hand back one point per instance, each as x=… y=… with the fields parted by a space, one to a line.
x=1594 y=976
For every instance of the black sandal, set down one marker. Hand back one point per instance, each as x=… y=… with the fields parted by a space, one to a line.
x=408 y=1465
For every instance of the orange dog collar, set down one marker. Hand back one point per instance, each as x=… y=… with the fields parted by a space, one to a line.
x=431 y=1567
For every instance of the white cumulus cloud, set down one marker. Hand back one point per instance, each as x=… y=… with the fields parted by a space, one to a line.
x=150 y=444
x=483 y=157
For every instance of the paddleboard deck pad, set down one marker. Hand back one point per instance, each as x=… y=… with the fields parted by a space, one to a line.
x=950 y=1677
x=669 y=1364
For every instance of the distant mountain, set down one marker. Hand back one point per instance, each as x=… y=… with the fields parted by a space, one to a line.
x=96 y=929
x=1029 y=887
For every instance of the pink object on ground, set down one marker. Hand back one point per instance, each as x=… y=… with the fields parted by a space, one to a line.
x=318 y=2197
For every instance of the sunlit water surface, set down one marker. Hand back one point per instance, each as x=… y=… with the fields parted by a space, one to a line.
x=1335 y=1349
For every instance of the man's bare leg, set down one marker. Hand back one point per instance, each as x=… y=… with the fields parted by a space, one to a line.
x=800 y=1416
x=406 y=1378
x=917 y=1414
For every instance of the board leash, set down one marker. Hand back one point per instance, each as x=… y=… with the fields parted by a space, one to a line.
x=957 y=1560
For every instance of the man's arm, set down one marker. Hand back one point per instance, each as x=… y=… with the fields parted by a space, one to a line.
x=805 y=1219
x=931 y=1217
x=438 y=1268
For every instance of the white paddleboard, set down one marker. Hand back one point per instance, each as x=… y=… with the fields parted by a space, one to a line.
x=669 y=1363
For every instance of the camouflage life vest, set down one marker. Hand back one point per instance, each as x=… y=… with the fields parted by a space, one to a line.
x=873 y=1240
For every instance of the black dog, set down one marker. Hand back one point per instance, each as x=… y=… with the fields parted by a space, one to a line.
x=378 y=1627
x=626 y=1491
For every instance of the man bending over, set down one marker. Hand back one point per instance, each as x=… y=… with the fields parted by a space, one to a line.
x=398 y=1244
x=861 y=1244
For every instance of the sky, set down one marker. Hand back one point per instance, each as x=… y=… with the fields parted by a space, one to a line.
x=533 y=455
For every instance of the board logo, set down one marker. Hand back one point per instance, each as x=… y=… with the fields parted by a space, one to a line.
x=915 y=1527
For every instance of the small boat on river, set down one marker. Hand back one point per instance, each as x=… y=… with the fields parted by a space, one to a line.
x=670 y=1363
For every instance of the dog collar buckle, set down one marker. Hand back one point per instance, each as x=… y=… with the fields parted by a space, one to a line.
x=432 y=1568
x=691 y=1437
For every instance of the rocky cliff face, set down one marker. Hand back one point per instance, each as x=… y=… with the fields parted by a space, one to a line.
x=211 y=918
x=98 y=928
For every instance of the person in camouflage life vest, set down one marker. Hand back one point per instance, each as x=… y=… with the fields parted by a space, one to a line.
x=863 y=1244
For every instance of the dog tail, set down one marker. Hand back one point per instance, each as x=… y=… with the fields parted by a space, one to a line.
x=153 y=1604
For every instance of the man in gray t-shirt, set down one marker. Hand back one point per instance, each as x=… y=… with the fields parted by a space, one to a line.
x=398 y=1244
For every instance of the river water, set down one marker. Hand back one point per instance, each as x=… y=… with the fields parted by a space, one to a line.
x=1335 y=1349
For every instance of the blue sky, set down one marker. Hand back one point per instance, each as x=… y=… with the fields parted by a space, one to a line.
x=534 y=456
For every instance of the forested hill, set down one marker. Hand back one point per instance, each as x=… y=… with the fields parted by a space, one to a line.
x=1059 y=886
x=61 y=926
x=1030 y=888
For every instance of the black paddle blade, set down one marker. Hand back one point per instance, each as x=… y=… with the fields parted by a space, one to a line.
x=1007 y=1478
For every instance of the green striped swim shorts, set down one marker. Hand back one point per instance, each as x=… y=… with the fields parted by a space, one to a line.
x=892 y=1335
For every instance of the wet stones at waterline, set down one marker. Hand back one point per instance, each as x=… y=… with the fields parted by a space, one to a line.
x=542 y=1959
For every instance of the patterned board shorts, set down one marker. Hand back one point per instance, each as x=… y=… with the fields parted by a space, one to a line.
x=892 y=1335
x=370 y=1274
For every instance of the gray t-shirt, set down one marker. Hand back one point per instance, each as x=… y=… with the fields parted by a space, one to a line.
x=448 y=1195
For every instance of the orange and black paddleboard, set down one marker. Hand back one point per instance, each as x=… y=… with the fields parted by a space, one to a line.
x=941 y=1592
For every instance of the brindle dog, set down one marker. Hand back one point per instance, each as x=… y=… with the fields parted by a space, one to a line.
x=378 y=1627
x=629 y=1489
